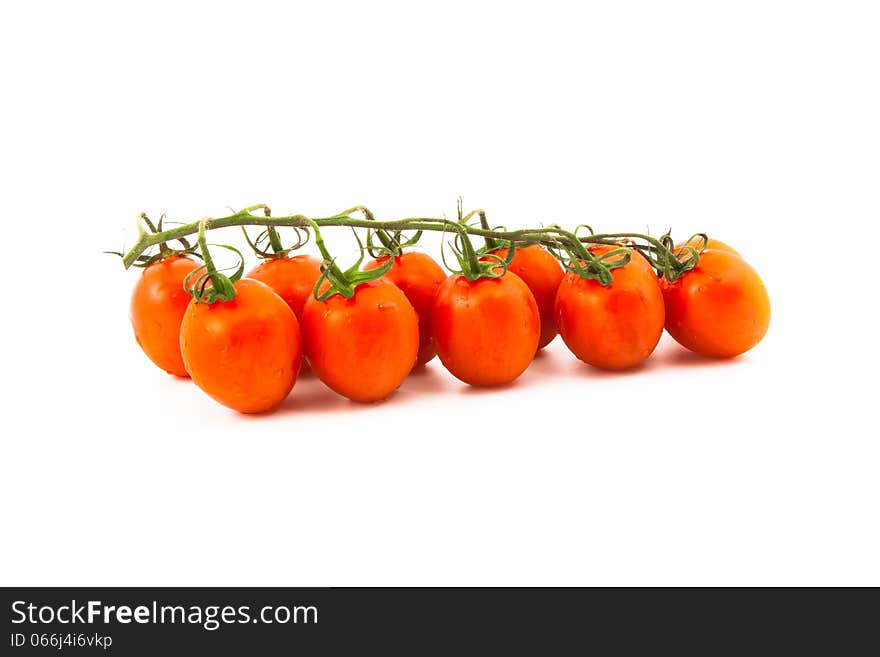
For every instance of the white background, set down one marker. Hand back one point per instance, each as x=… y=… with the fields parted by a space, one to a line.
x=756 y=122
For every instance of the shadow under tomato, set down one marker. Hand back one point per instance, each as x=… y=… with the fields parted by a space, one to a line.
x=673 y=354
x=312 y=396
x=425 y=380
x=589 y=371
x=477 y=391
x=545 y=363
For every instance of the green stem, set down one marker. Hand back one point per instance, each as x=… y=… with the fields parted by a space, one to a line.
x=491 y=243
x=652 y=248
x=222 y=288
x=148 y=240
x=274 y=240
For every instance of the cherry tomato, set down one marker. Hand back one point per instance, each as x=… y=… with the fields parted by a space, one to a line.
x=720 y=308
x=362 y=347
x=418 y=276
x=157 y=306
x=614 y=326
x=486 y=330
x=292 y=278
x=245 y=353
x=542 y=273
x=711 y=245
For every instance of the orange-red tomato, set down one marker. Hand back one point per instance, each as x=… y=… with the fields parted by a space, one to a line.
x=486 y=330
x=711 y=245
x=542 y=273
x=292 y=278
x=418 y=276
x=157 y=306
x=614 y=326
x=362 y=347
x=720 y=308
x=245 y=353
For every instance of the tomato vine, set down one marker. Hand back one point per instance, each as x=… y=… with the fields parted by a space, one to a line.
x=570 y=247
x=364 y=327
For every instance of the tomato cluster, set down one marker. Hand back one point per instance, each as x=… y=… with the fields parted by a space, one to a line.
x=246 y=352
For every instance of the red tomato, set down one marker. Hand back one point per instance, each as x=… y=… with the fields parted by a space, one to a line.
x=245 y=353
x=157 y=307
x=486 y=330
x=418 y=277
x=362 y=347
x=538 y=269
x=720 y=308
x=614 y=326
x=292 y=278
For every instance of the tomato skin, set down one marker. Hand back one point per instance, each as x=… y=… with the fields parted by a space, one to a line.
x=244 y=353
x=419 y=277
x=487 y=330
x=158 y=303
x=718 y=309
x=612 y=327
x=363 y=347
x=538 y=269
x=292 y=278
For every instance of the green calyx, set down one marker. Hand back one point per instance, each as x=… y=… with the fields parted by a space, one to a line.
x=474 y=264
x=165 y=251
x=343 y=282
x=599 y=268
x=671 y=263
x=206 y=284
x=267 y=244
x=578 y=259
x=490 y=243
x=391 y=243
